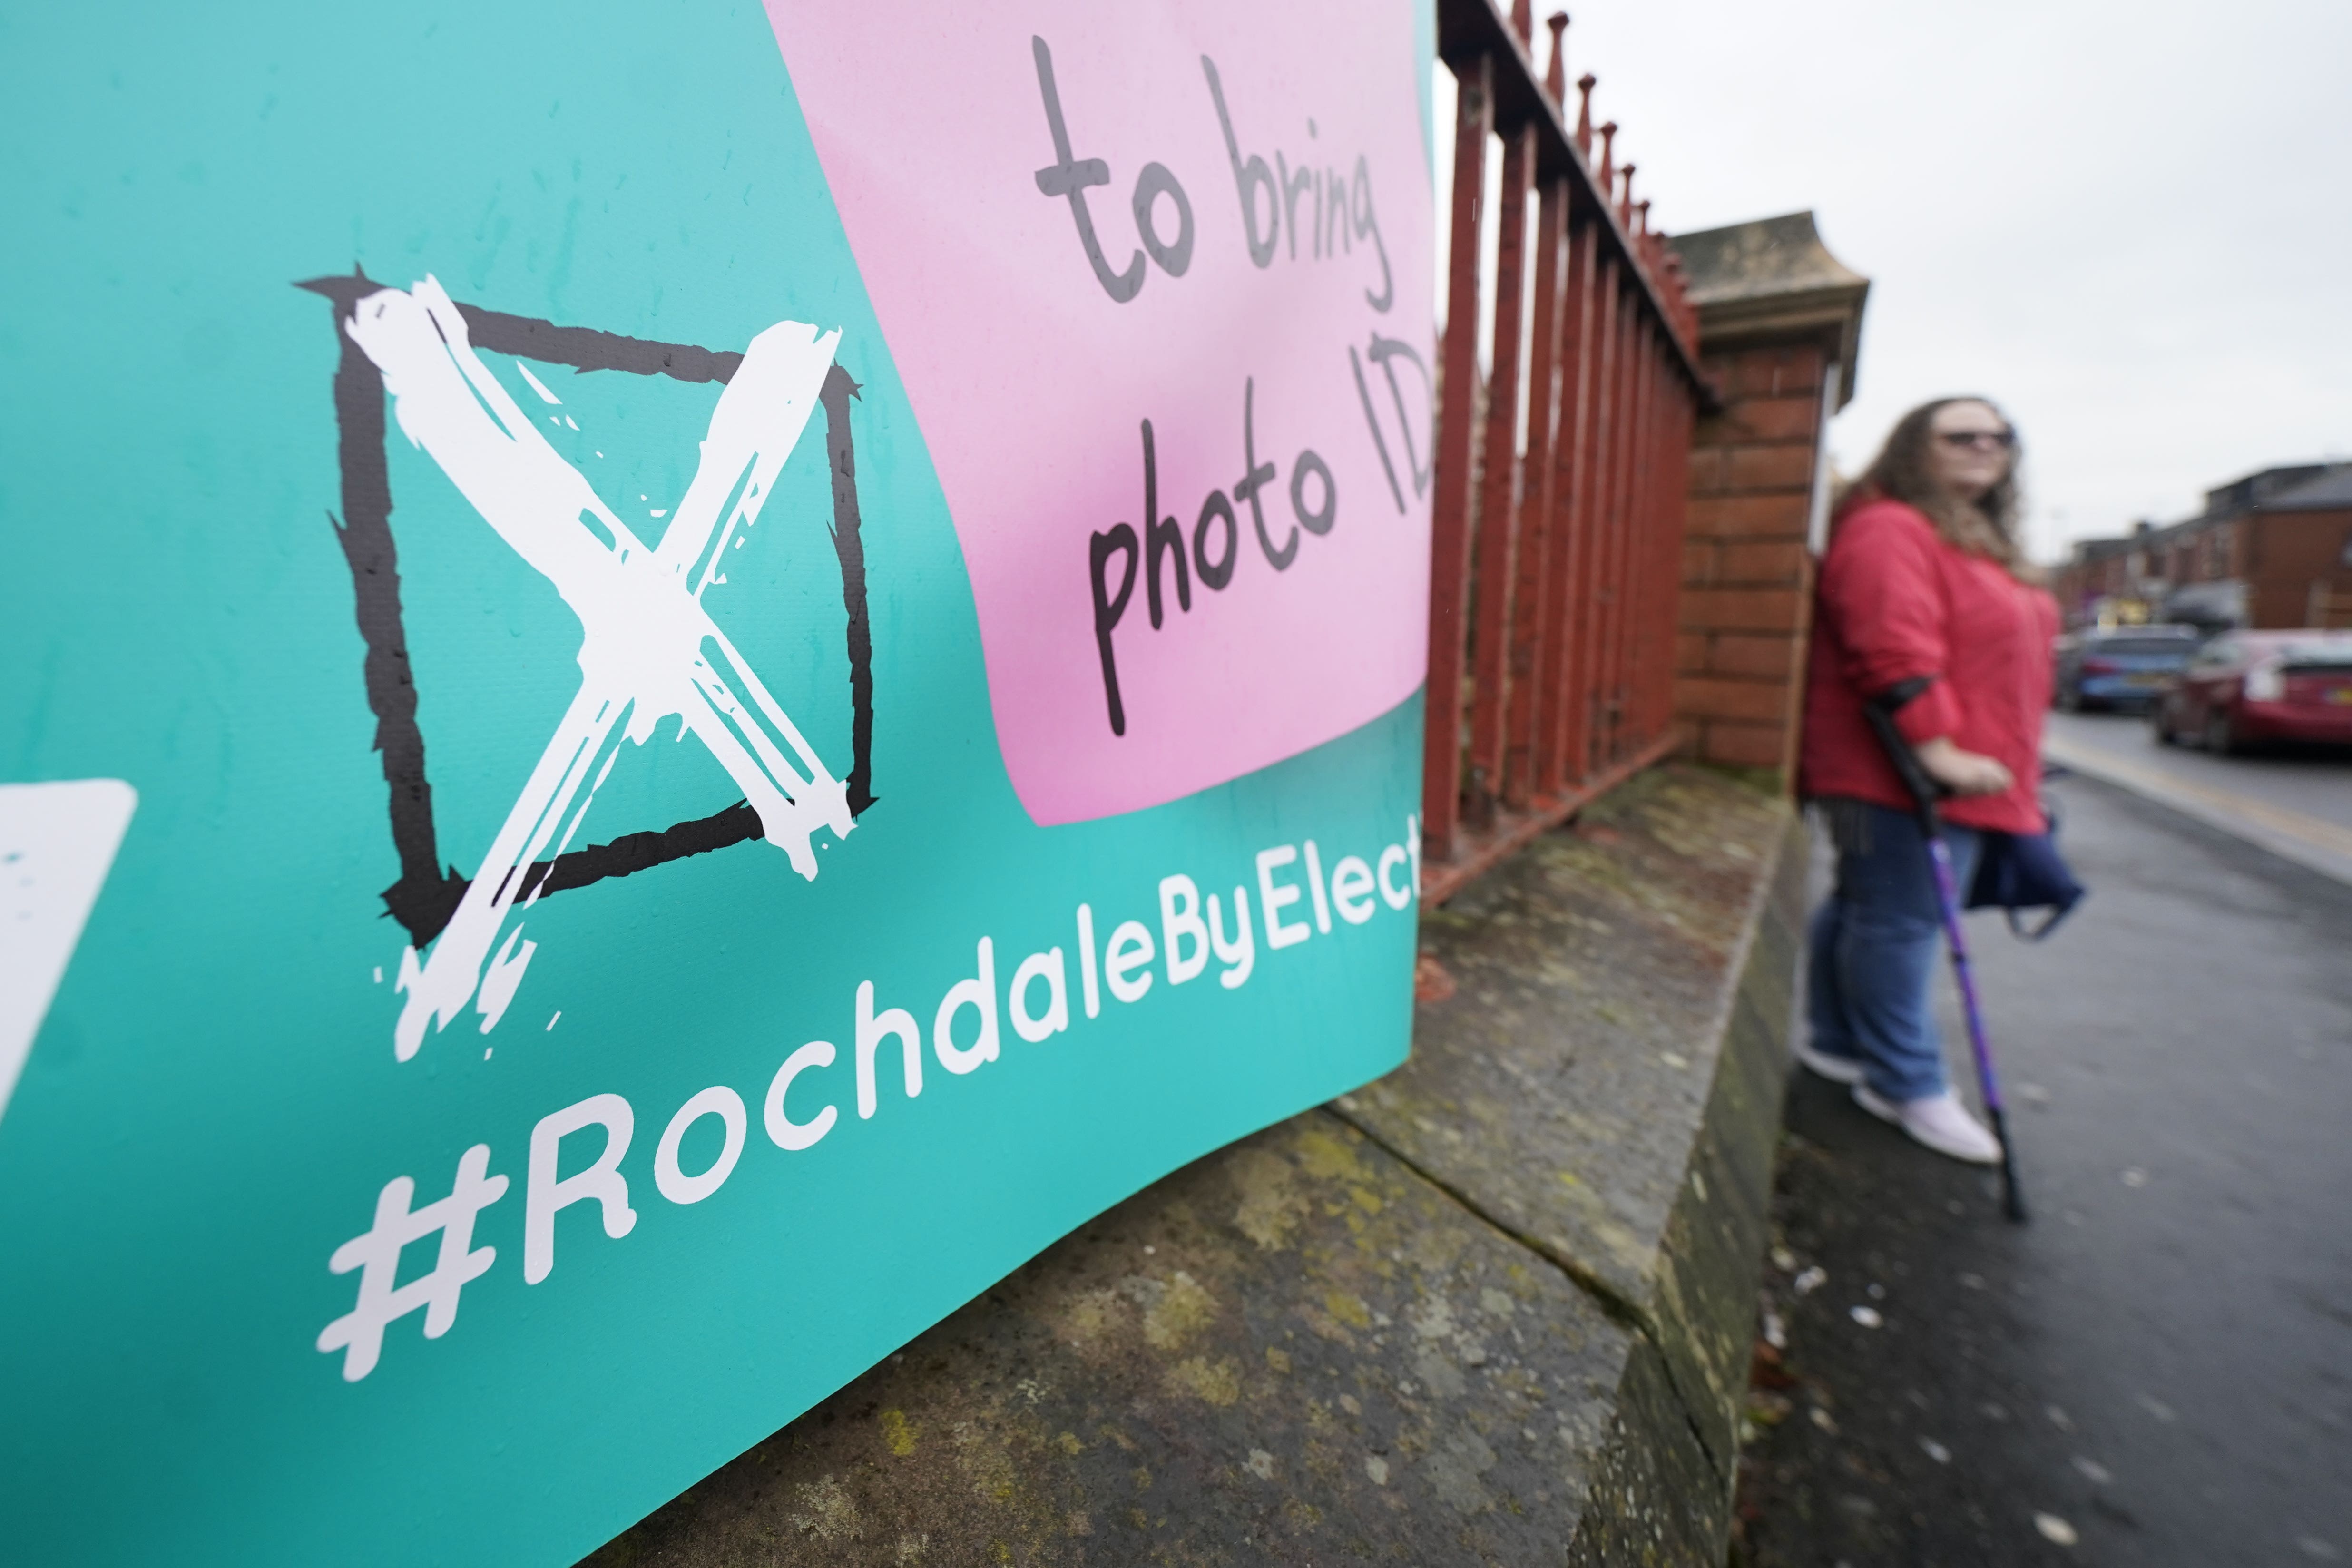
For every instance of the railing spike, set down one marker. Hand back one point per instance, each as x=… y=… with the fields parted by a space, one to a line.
x=1556 y=78
x=1607 y=158
x=1584 y=85
x=1625 y=197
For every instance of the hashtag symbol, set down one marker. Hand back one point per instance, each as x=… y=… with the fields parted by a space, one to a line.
x=359 y=1333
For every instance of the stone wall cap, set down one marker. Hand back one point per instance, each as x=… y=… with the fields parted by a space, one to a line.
x=1773 y=278
x=1765 y=257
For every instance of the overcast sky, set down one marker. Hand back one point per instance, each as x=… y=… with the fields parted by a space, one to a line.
x=2130 y=223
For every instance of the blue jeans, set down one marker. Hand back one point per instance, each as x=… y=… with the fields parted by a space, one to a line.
x=1875 y=944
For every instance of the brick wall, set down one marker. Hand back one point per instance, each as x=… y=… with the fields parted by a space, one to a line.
x=2289 y=552
x=1747 y=606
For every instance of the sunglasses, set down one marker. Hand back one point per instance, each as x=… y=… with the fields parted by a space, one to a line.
x=2001 y=440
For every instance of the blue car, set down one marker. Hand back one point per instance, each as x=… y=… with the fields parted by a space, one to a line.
x=2127 y=667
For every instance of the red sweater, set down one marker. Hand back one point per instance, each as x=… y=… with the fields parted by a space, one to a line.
x=1896 y=603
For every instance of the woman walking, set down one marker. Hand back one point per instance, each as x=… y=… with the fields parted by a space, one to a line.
x=1923 y=609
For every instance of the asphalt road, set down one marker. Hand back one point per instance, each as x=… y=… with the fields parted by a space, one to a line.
x=2294 y=802
x=2158 y=1368
x=2315 y=782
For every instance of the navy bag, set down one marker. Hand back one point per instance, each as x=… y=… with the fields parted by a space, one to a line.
x=2024 y=871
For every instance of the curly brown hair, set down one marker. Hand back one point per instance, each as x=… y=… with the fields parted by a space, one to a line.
x=1904 y=471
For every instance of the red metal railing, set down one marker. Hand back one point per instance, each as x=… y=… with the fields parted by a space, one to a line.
x=1558 y=510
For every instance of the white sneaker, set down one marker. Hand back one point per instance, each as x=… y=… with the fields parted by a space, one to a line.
x=1940 y=1121
x=1837 y=1070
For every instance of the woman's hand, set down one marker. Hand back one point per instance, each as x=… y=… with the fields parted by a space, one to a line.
x=1962 y=772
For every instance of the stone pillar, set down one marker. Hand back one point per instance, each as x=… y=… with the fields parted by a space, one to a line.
x=1779 y=322
x=1747 y=574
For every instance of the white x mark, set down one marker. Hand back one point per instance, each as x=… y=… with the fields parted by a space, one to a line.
x=650 y=649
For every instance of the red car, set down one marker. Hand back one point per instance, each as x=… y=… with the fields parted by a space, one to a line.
x=2248 y=687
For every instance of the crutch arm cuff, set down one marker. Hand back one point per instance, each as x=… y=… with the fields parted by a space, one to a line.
x=1922 y=708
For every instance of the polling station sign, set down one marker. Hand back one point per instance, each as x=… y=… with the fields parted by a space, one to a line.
x=677 y=682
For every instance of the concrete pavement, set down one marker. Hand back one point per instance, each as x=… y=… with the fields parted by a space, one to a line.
x=2158 y=1370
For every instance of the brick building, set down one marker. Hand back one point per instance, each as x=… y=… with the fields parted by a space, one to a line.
x=2106 y=579
x=2271 y=549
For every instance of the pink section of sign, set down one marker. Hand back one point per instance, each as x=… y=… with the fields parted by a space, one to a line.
x=1033 y=383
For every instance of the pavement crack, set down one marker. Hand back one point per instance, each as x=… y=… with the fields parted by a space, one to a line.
x=1614 y=1304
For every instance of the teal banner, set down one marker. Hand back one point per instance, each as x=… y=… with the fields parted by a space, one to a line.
x=674 y=681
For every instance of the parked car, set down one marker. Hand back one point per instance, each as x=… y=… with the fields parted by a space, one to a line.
x=2248 y=687
x=2124 y=668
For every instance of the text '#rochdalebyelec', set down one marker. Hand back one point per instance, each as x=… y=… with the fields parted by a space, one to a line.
x=1192 y=933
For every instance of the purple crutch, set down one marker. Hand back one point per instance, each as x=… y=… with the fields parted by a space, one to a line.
x=1924 y=791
